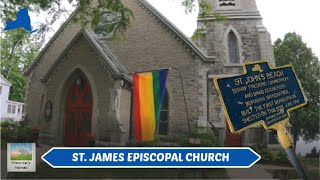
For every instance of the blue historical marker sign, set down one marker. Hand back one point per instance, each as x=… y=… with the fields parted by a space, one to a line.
x=262 y=95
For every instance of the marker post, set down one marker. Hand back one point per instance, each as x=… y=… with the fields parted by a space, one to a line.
x=285 y=139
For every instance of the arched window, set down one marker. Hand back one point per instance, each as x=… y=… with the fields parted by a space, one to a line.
x=164 y=116
x=233 y=48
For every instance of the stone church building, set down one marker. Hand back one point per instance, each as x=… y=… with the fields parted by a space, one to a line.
x=80 y=84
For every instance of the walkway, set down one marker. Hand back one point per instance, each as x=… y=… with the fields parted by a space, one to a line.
x=255 y=172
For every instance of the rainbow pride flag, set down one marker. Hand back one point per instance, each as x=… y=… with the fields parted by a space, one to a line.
x=148 y=93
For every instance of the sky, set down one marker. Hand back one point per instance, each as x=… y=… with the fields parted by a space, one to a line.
x=279 y=17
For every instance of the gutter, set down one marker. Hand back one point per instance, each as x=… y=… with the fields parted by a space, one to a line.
x=177 y=32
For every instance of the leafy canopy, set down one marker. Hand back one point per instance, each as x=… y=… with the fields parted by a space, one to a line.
x=88 y=11
x=18 y=50
x=292 y=50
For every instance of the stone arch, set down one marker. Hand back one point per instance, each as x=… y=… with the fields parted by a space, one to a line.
x=61 y=95
x=227 y=32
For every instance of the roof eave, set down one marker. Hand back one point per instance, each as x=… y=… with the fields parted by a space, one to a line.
x=46 y=47
x=178 y=33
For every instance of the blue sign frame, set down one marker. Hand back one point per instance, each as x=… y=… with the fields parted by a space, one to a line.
x=261 y=96
x=151 y=157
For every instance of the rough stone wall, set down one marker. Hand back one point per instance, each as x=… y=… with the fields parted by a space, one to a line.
x=248 y=33
x=265 y=44
x=35 y=90
x=149 y=45
x=81 y=56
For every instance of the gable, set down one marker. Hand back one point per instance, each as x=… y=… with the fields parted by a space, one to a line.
x=172 y=29
x=69 y=30
x=107 y=60
x=4 y=81
x=152 y=42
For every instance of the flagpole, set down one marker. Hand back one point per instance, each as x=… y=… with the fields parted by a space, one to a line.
x=184 y=98
x=183 y=94
x=131 y=118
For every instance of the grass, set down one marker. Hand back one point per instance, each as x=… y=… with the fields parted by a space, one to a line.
x=311 y=168
x=22 y=157
x=310 y=162
x=46 y=172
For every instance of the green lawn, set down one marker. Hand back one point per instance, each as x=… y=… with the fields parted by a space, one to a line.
x=46 y=172
x=22 y=157
x=310 y=162
x=311 y=168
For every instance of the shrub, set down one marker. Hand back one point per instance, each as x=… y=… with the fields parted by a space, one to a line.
x=271 y=156
x=12 y=131
x=154 y=143
x=8 y=129
x=24 y=134
x=207 y=138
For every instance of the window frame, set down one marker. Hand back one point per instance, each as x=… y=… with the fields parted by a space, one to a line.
x=164 y=109
x=13 y=109
x=226 y=47
x=233 y=48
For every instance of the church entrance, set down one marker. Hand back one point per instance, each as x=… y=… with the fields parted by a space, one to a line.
x=78 y=112
x=232 y=140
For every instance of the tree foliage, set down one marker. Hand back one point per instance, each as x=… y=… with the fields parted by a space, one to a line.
x=292 y=50
x=87 y=12
x=18 y=50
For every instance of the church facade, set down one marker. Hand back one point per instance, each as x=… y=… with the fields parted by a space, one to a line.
x=80 y=84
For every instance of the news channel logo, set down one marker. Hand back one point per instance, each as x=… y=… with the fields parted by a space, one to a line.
x=21 y=157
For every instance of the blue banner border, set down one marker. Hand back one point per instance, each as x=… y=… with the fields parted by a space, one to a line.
x=224 y=148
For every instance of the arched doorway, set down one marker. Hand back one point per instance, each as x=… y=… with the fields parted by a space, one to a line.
x=232 y=140
x=78 y=112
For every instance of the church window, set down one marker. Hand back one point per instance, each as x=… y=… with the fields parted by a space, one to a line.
x=233 y=48
x=164 y=116
x=227 y=3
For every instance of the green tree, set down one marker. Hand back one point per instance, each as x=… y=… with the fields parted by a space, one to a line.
x=88 y=11
x=292 y=50
x=18 y=50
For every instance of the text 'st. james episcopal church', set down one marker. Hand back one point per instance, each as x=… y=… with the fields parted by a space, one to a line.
x=81 y=81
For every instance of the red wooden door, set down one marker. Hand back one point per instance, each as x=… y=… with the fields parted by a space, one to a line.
x=232 y=140
x=78 y=113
